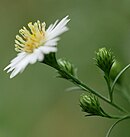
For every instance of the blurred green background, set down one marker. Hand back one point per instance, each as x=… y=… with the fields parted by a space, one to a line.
x=35 y=103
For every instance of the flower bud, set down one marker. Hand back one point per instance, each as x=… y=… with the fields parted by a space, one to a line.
x=104 y=60
x=66 y=68
x=116 y=68
x=90 y=104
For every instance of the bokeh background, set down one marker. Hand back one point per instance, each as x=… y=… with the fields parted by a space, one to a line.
x=36 y=103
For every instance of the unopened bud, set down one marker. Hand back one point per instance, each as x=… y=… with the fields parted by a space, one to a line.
x=67 y=68
x=90 y=105
x=104 y=60
x=116 y=68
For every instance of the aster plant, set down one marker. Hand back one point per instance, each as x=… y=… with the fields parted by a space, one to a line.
x=40 y=44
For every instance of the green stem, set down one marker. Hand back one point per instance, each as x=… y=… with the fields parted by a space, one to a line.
x=86 y=88
x=124 y=90
x=107 y=78
x=111 y=128
x=118 y=76
x=52 y=61
x=106 y=115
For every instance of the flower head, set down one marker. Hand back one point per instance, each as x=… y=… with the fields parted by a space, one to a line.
x=35 y=43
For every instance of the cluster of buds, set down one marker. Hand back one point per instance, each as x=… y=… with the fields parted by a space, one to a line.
x=104 y=60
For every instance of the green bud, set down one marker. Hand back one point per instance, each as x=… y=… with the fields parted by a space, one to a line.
x=116 y=68
x=90 y=105
x=104 y=60
x=66 y=68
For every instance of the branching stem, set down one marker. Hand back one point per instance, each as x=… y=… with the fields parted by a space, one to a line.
x=111 y=128
x=86 y=88
x=117 y=77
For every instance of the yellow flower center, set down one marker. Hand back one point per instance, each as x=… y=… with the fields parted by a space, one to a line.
x=32 y=39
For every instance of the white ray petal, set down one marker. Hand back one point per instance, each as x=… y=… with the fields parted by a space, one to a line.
x=47 y=50
x=58 y=29
x=52 y=42
x=14 y=61
x=52 y=26
x=40 y=55
x=15 y=72
x=20 y=66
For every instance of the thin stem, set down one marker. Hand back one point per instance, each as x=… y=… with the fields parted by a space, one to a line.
x=112 y=117
x=86 y=88
x=52 y=61
x=111 y=128
x=107 y=78
x=106 y=115
x=124 y=90
x=118 y=76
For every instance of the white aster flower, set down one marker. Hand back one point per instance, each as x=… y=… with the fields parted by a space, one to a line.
x=33 y=44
